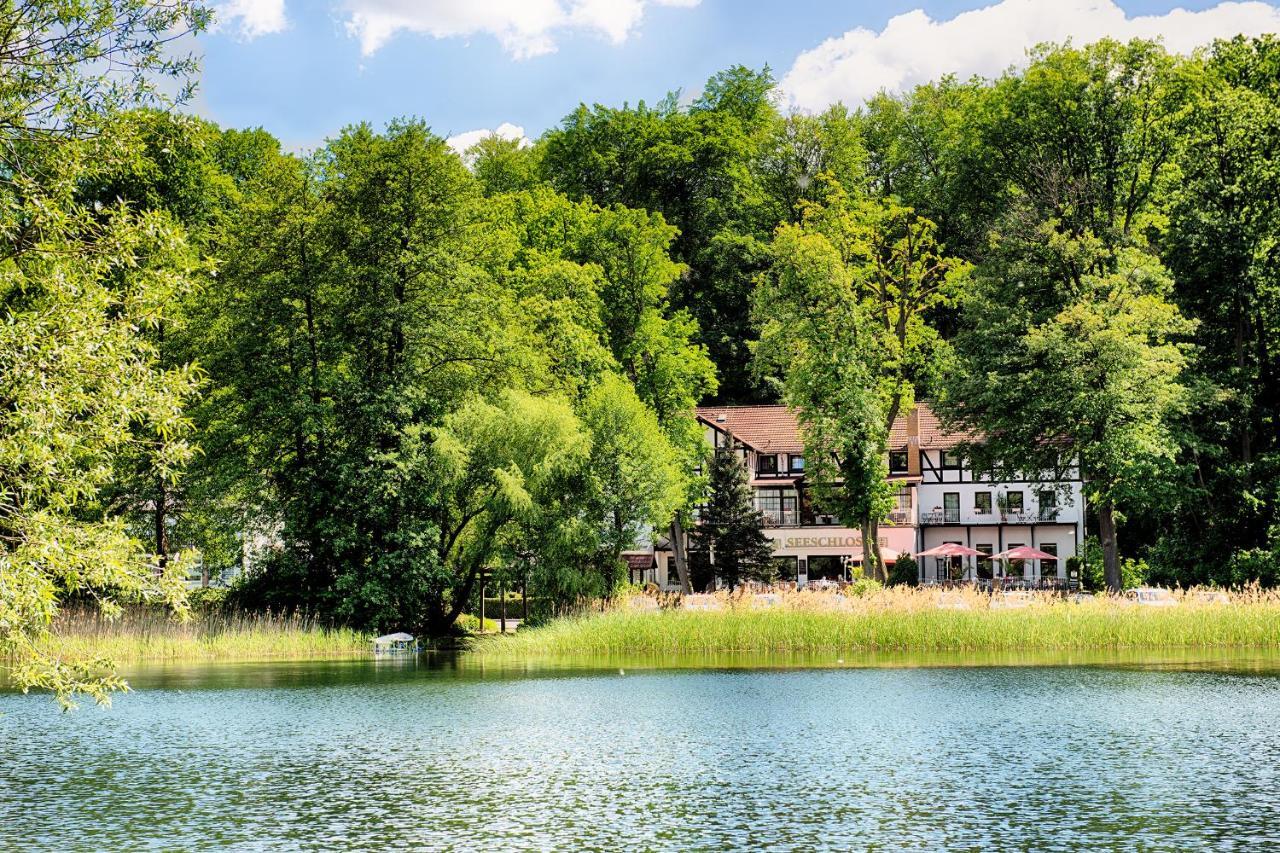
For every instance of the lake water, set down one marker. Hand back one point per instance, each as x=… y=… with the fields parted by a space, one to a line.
x=448 y=754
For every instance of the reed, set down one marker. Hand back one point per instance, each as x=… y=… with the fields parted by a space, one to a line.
x=900 y=619
x=147 y=634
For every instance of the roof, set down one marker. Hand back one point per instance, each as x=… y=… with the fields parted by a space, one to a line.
x=764 y=428
x=774 y=428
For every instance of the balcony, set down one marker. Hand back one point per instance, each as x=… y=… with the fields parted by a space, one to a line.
x=780 y=517
x=972 y=517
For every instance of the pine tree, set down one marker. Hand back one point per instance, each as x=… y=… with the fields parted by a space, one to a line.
x=728 y=542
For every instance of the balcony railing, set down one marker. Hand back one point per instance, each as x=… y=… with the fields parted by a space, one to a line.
x=780 y=517
x=945 y=516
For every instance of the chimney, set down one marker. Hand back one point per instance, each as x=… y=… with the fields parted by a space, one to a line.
x=913 y=442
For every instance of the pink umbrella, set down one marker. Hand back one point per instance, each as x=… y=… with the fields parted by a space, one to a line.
x=949 y=549
x=1023 y=552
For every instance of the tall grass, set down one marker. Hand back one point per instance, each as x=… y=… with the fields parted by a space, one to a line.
x=899 y=619
x=151 y=635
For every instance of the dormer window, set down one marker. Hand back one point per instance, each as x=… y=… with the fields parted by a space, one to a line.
x=795 y=463
x=897 y=461
x=949 y=459
x=767 y=464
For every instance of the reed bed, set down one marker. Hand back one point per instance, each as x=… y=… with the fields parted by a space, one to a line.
x=151 y=635
x=901 y=619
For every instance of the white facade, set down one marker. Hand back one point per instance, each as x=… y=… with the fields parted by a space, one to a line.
x=958 y=506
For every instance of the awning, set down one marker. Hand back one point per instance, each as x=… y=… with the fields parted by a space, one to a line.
x=1024 y=552
x=950 y=549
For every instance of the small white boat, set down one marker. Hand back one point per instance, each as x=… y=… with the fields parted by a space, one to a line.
x=396 y=644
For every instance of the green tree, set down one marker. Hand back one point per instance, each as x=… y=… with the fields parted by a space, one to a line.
x=77 y=283
x=1070 y=353
x=728 y=543
x=844 y=320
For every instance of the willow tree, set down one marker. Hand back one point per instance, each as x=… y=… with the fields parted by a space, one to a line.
x=78 y=285
x=844 y=320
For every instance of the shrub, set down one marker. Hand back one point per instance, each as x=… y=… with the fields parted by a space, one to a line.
x=863 y=586
x=904 y=572
x=1254 y=565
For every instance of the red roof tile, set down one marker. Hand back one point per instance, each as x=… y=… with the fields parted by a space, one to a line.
x=774 y=428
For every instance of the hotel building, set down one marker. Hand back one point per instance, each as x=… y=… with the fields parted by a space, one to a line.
x=939 y=499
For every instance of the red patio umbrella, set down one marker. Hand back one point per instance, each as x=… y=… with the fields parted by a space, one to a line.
x=949 y=549
x=1024 y=552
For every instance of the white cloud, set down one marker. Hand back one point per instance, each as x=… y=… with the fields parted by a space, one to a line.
x=913 y=48
x=462 y=141
x=525 y=28
x=252 y=18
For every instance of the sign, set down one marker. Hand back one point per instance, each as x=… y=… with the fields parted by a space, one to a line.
x=829 y=542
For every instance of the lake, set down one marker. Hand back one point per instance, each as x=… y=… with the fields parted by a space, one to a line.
x=447 y=753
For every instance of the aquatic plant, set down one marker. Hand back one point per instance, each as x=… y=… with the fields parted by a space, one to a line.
x=905 y=618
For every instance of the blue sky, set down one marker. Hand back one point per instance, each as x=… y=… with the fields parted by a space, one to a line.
x=304 y=68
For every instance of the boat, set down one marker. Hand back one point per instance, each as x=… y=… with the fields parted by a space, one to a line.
x=399 y=643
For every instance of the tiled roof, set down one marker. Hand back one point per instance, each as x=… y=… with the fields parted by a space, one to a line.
x=774 y=428
x=764 y=428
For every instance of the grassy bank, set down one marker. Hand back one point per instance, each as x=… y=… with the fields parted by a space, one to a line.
x=150 y=635
x=900 y=620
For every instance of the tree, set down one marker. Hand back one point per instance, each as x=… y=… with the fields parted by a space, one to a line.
x=636 y=482
x=1223 y=214
x=697 y=168
x=843 y=318
x=1070 y=353
x=76 y=285
x=728 y=543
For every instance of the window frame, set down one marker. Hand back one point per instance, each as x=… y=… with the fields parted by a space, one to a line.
x=905 y=467
x=761 y=471
x=978 y=507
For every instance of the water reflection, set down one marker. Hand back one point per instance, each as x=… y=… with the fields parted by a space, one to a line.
x=446 y=752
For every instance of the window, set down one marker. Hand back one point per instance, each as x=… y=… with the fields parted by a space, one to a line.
x=1015 y=568
x=949 y=459
x=1049 y=568
x=903 y=499
x=778 y=506
x=1013 y=502
x=1048 y=505
x=982 y=503
x=795 y=464
x=767 y=464
x=984 y=565
x=897 y=461
x=951 y=507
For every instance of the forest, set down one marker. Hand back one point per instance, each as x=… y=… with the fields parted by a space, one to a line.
x=402 y=366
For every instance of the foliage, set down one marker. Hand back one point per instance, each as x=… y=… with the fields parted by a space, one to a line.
x=728 y=544
x=78 y=285
x=905 y=571
x=843 y=318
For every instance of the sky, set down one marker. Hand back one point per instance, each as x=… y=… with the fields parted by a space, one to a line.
x=303 y=69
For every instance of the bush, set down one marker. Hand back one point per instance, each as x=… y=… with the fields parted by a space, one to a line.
x=1133 y=573
x=207 y=599
x=469 y=623
x=904 y=572
x=1255 y=564
x=863 y=586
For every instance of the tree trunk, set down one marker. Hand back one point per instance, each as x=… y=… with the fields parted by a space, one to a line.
x=877 y=558
x=867 y=557
x=677 y=553
x=1110 y=556
x=162 y=529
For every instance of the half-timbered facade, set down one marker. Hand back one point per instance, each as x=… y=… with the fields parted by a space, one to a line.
x=939 y=499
